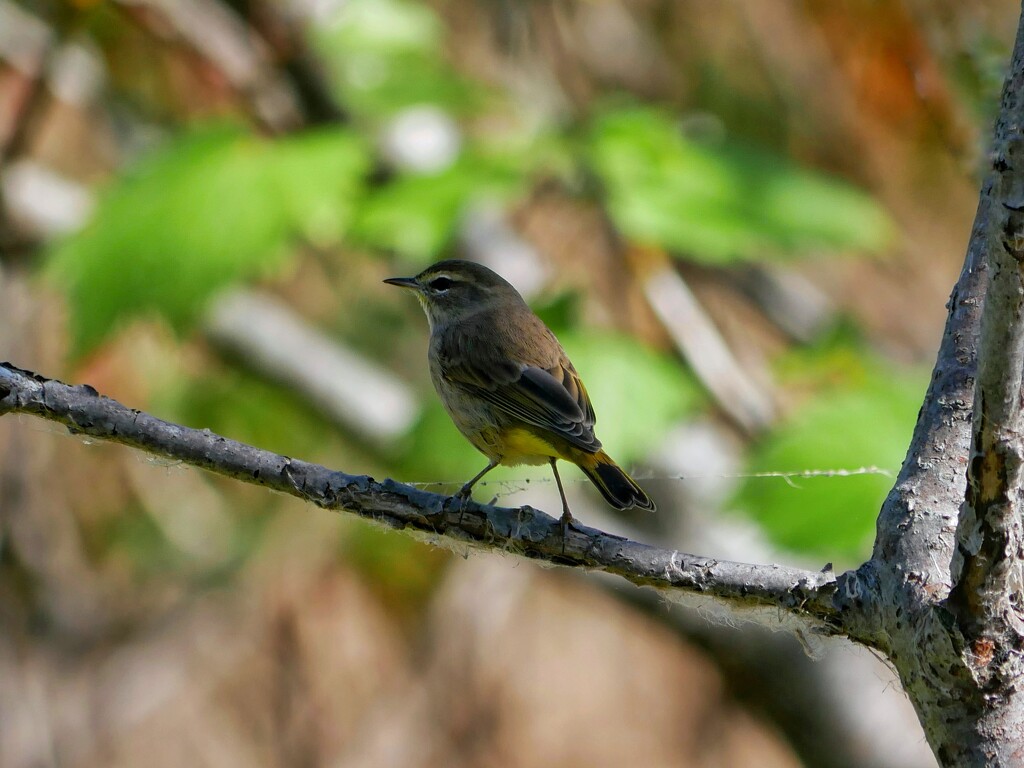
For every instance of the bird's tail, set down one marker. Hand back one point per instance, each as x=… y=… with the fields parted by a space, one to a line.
x=619 y=489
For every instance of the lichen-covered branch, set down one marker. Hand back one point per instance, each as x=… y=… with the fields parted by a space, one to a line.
x=988 y=569
x=816 y=596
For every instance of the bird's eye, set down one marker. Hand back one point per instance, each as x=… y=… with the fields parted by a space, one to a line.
x=440 y=284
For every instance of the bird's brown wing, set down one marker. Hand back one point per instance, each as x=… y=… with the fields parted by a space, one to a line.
x=552 y=398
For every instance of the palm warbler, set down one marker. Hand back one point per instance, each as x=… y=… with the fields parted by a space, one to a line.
x=508 y=384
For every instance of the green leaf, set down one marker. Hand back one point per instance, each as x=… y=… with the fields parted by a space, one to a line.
x=407 y=81
x=389 y=54
x=857 y=424
x=416 y=215
x=722 y=203
x=206 y=210
x=638 y=394
x=319 y=178
x=387 y=26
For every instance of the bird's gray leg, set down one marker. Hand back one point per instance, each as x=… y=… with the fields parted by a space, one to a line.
x=464 y=492
x=467 y=489
x=566 y=518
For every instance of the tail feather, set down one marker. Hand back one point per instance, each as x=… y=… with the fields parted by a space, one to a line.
x=618 y=488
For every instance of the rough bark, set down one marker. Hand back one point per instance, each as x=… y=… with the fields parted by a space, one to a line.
x=524 y=530
x=945 y=558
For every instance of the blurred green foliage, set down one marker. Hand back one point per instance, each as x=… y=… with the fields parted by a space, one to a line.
x=207 y=209
x=385 y=55
x=436 y=451
x=231 y=401
x=134 y=537
x=978 y=73
x=859 y=415
x=416 y=215
x=219 y=205
x=638 y=393
x=723 y=202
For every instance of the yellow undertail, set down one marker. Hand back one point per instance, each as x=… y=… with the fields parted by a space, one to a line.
x=524 y=446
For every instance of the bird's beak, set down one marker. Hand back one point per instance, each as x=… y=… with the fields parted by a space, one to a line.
x=403 y=282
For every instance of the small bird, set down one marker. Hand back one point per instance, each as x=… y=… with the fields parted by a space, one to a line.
x=507 y=383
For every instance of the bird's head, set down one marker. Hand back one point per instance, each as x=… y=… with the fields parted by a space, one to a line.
x=453 y=289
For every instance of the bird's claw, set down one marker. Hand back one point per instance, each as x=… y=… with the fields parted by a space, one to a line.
x=566 y=521
x=458 y=500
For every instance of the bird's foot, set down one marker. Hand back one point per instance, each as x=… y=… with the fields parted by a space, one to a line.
x=459 y=500
x=566 y=521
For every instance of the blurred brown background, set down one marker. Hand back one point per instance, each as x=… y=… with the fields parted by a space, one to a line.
x=742 y=218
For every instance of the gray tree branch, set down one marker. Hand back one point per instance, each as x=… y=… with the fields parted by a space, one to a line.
x=816 y=597
x=989 y=560
x=971 y=716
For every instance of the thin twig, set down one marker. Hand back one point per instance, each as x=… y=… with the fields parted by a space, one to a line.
x=350 y=389
x=699 y=341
